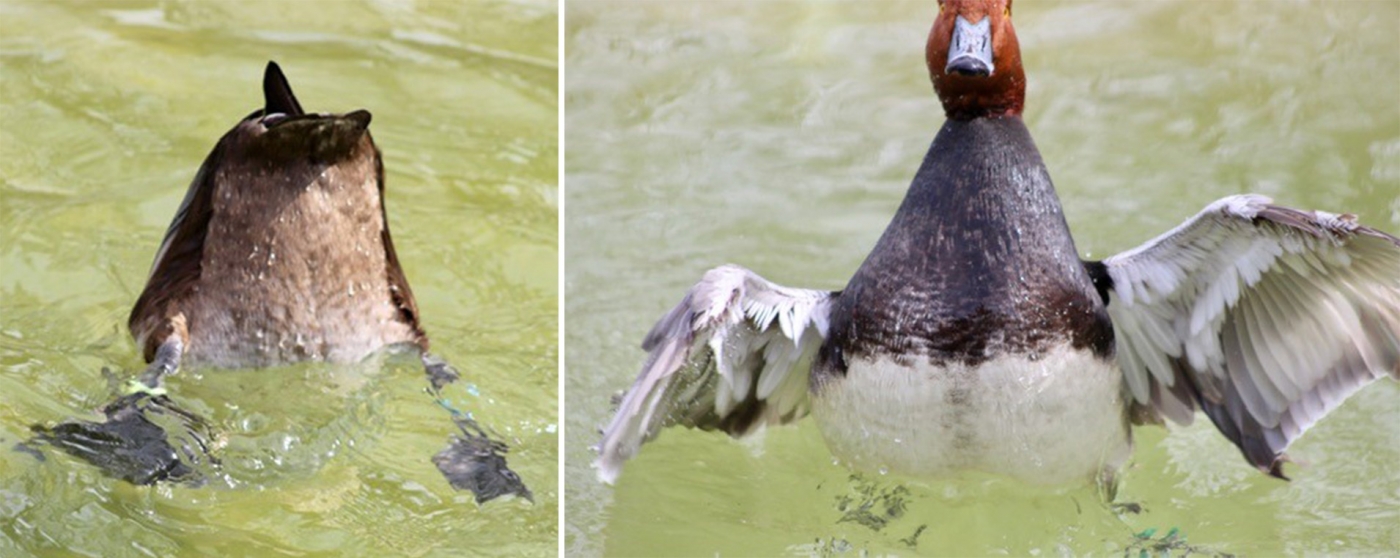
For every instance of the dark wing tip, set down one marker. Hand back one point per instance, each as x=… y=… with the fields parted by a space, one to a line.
x=277 y=93
x=1247 y=435
x=1275 y=469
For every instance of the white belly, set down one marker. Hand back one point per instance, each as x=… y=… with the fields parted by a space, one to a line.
x=1057 y=419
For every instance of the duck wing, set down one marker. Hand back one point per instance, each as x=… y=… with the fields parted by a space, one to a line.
x=1266 y=317
x=735 y=354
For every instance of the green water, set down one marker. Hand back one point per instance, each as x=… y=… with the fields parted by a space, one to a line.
x=781 y=136
x=107 y=110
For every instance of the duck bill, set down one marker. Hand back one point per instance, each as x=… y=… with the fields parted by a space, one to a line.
x=970 y=52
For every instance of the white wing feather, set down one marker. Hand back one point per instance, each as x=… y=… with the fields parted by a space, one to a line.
x=733 y=355
x=1267 y=317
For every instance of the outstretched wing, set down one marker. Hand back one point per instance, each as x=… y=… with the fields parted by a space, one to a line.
x=1266 y=317
x=733 y=355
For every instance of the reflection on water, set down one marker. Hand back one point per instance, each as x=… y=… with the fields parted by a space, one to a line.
x=782 y=135
x=105 y=114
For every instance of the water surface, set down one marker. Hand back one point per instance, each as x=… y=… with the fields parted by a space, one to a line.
x=781 y=136
x=107 y=110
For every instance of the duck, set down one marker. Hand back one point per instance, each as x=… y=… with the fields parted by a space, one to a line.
x=973 y=337
x=279 y=253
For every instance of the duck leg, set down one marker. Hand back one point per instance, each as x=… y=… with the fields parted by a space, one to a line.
x=166 y=361
x=145 y=437
x=473 y=461
x=439 y=372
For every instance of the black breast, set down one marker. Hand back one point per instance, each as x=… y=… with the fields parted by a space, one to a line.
x=978 y=262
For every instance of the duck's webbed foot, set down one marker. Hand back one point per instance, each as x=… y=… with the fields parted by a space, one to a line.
x=134 y=444
x=473 y=461
x=477 y=463
x=1108 y=482
x=145 y=437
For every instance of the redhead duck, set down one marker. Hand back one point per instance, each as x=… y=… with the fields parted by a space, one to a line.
x=973 y=337
x=279 y=253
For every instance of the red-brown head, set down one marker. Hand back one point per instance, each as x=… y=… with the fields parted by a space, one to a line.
x=975 y=61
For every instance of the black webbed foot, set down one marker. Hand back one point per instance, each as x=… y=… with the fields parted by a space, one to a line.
x=131 y=446
x=474 y=461
x=477 y=463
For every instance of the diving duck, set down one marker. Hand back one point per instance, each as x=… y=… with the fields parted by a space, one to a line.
x=279 y=253
x=973 y=337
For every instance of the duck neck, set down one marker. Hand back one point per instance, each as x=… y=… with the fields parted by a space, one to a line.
x=983 y=194
x=977 y=262
x=980 y=228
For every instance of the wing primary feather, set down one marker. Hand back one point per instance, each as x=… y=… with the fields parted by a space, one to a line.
x=1267 y=318
x=733 y=355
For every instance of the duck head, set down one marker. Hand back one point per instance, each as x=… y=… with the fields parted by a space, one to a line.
x=974 y=59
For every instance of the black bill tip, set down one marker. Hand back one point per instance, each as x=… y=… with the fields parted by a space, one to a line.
x=969 y=66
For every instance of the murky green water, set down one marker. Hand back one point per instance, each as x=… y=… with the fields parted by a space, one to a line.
x=107 y=110
x=782 y=136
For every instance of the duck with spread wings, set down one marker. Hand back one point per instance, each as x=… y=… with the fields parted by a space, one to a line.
x=974 y=338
